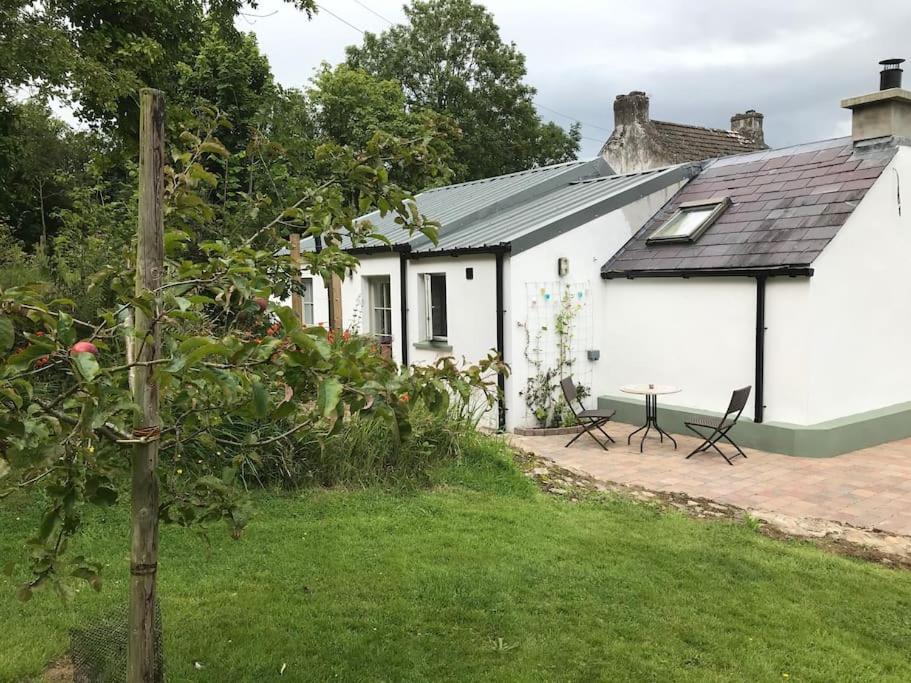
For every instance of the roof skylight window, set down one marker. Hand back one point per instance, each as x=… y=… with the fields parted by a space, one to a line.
x=690 y=221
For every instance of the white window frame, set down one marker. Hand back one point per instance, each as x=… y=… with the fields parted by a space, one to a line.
x=715 y=207
x=379 y=303
x=429 y=317
x=306 y=292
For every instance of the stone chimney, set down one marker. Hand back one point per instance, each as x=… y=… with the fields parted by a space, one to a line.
x=631 y=109
x=884 y=113
x=749 y=125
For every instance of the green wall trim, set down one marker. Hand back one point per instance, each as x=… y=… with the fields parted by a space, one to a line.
x=821 y=440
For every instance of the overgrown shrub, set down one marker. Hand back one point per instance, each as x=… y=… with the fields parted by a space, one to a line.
x=365 y=452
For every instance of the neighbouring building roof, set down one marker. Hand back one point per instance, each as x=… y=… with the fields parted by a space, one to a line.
x=639 y=143
x=519 y=210
x=683 y=142
x=786 y=205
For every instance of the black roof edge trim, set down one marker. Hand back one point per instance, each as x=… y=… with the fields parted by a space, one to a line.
x=379 y=249
x=503 y=248
x=778 y=271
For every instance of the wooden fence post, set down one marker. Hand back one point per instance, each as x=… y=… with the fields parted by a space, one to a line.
x=296 y=302
x=335 y=303
x=142 y=652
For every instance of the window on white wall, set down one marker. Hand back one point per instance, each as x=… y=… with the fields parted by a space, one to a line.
x=307 y=299
x=379 y=302
x=434 y=299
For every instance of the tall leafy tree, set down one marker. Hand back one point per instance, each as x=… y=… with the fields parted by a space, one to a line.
x=350 y=106
x=450 y=58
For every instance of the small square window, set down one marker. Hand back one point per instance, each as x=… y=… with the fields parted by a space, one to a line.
x=690 y=221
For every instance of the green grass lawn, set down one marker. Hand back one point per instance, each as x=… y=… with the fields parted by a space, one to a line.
x=483 y=578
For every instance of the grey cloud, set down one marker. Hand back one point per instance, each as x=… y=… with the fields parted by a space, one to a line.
x=699 y=61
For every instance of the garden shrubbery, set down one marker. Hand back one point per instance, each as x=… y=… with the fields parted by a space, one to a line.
x=366 y=451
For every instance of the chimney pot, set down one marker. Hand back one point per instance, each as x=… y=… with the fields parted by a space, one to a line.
x=749 y=125
x=631 y=109
x=891 y=75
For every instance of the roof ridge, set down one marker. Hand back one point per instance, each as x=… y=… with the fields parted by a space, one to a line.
x=527 y=171
x=709 y=128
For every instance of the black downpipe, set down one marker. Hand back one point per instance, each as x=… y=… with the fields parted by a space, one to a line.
x=501 y=344
x=403 y=285
x=758 y=397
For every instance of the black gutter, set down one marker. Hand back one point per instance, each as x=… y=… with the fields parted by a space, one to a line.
x=379 y=249
x=782 y=271
x=403 y=289
x=758 y=396
x=501 y=248
x=501 y=344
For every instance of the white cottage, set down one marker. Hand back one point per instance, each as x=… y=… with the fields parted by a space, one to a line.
x=518 y=255
x=787 y=270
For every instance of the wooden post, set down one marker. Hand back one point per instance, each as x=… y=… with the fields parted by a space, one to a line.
x=296 y=303
x=142 y=648
x=335 y=303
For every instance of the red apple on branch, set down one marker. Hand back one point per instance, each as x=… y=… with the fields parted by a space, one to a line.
x=84 y=347
x=262 y=303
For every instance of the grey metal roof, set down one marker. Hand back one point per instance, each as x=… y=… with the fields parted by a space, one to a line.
x=786 y=206
x=523 y=209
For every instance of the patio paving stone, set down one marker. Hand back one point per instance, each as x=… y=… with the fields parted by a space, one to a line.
x=870 y=487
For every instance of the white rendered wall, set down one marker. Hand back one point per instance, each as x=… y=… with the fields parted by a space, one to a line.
x=355 y=299
x=788 y=350
x=697 y=334
x=587 y=248
x=861 y=304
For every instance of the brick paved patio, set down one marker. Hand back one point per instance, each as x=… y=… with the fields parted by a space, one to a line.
x=870 y=488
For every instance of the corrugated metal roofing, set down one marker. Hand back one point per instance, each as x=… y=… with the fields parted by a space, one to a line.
x=559 y=204
x=497 y=211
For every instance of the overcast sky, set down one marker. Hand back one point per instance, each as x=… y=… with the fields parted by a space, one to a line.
x=700 y=62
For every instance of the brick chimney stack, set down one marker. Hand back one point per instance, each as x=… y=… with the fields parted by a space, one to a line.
x=631 y=109
x=749 y=125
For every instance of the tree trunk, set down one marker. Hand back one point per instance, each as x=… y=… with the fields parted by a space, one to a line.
x=43 y=219
x=143 y=656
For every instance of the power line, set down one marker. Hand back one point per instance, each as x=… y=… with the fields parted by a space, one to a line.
x=374 y=12
x=559 y=113
x=344 y=21
x=537 y=104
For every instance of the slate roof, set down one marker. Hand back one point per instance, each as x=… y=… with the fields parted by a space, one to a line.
x=684 y=143
x=522 y=209
x=787 y=204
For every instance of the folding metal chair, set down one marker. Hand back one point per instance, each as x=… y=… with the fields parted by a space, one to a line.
x=720 y=426
x=589 y=419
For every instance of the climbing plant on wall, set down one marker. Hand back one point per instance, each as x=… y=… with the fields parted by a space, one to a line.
x=542 y=388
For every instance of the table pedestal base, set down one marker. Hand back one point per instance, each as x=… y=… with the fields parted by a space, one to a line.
x=651 y=420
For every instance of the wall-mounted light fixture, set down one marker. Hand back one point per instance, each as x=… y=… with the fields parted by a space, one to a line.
x=562 y=266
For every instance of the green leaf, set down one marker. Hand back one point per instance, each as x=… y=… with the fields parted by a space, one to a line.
x=260 y=400
x=86 y=365
x=214 y=147
x=328 y=395
x=4 y=468
x=7 y=333
x=65 y=332
x=289 y=320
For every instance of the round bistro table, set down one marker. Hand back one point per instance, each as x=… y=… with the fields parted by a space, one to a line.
x=651 y=393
